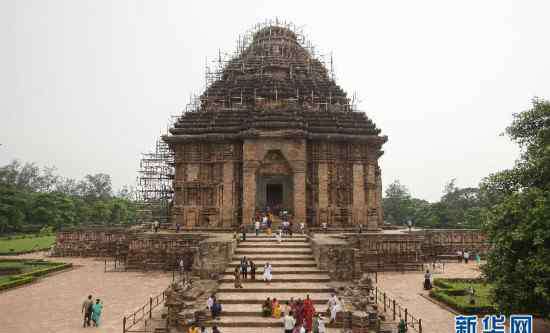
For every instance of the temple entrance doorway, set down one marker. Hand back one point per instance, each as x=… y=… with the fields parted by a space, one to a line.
x=274 y=195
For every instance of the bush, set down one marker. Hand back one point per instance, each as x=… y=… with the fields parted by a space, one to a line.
x=454 y=293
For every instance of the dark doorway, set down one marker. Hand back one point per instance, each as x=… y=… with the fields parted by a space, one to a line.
x=274 y=195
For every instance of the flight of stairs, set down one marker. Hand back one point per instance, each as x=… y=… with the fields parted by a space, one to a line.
x=294 y=275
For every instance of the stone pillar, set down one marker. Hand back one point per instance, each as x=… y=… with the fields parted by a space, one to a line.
x=299 y=196
x=359 y=211
x=227 y=205
x=372 y=212
x=249 y=191
x=322 y=210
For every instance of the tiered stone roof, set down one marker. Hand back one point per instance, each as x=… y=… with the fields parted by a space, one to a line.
x=274 y=84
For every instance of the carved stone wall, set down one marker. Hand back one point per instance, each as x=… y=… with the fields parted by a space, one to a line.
x=343 y=188
x=207 y=184
x=91 y=242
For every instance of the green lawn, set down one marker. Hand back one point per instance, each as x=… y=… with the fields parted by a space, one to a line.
x=454 y=292
x=29 y=271
x=17 y=244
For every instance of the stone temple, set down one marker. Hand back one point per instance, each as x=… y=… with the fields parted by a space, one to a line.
x=273 y=129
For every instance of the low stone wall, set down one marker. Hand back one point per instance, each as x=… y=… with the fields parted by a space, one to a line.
x=91 y=242
x=349 y=255
x=206 y=254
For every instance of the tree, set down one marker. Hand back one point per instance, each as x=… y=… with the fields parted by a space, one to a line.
x=518 y=219
x=397 y=204
x=96 y=187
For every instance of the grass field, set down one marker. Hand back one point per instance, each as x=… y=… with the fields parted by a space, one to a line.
x=28 y=271
x=19 y=245
x=454 y=292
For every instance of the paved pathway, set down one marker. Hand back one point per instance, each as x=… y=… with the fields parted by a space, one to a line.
x=407 y=289
x=52 y=305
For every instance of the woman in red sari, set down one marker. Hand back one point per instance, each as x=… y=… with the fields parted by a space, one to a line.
x=309 y=312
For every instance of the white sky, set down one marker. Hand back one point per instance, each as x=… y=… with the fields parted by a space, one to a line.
x=88 y=85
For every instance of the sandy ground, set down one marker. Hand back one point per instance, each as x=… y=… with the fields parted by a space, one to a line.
x=53 y=303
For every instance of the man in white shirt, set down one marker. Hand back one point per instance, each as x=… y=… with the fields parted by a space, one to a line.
x=288 y=322
x=257 y=227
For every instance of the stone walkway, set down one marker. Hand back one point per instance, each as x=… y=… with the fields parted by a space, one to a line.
x=53 y=304
x=408 y=290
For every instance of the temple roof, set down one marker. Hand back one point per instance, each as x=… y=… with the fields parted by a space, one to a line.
x=274 y=82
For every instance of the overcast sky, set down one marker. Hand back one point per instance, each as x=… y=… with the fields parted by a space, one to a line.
x=88 y=85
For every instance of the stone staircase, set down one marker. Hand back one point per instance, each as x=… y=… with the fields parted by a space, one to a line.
x=294 y=275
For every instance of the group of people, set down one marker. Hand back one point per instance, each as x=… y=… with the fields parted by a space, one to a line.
x=299 y=316
x=464 y=256
x=214 y=306
x=92 y=311
x=202 y=329
x=248 y=266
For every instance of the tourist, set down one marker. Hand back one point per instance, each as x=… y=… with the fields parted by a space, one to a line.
x=478 y=259
x=266 y=308
x=302 y=228
x=96 y=312
x=252 y=270
x=466 y=257
x=193 y=329
x=427 y=280
x=287 y=308
x=156 y=226
x=203 y=329
x=290 y=228
x=244 y=268
x=267 y=272
x=289 y=322
x=299 y=328
x=182 y=268
x=322 y=328
x=334 y=308
x=237 y=279
x=215 y=330
x=87 y=306
x=257 y=227
x=242 y=229
x=324 y=226
x=276 y=306
x=299 y=314
x=309 y=311
x=360 y=229
x=210 y=302
x=269 y=222
x=279 y=236
x=178 y=226
x=460 y=256
x=216 y=309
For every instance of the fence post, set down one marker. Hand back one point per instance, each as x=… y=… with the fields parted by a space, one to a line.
x=406 y=321
x=394 y=310
x=419 y=325
x=150 y=307
x=124 y=324
x=384 y=301
x=105 y=269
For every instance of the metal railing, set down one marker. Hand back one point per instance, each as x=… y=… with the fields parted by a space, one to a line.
x=398 y=312
x=145 y=312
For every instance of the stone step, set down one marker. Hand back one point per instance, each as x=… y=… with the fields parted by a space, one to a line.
x=263 y=250
x=294 y=245
x=243 y=329
x=252 y=310
x=277 y=263
x=260 y=297
x=246 y=321
x=229 y=288
x=283 y=270
x=272 y=257
x=279 y=277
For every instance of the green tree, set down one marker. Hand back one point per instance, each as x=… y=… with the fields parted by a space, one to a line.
x=518 y=220
x=397 y=204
